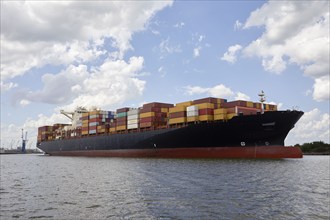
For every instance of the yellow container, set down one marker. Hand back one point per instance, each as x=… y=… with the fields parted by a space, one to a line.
x=177 y=120
x=177 y=109
x=219 y=101
x=112 y=129
x=84 y=132
x=100 y=131
x=192 y=118
x=85 y=114
x=206 y=117
x=220 y=117
x=205 y=105
x=184 y=104
x=267 y=107
x=121 y=128
x=220 y=111
x=231 y=115
x=147 y=114
x=95 y=112
x=249 y=104
x=164 y=110
x=258 y=105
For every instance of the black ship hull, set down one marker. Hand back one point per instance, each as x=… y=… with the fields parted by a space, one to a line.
x=246 y=136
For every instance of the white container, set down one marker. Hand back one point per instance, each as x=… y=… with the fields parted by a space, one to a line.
x=132 y=126
x=93 y=123
x=132 y=121
x=93 y=116
x=192 y=108
x=134 y=111
x=192 y=113
x=92 y=131
x=130 y=117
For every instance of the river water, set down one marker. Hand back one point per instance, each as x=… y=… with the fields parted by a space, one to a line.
x=49 y=187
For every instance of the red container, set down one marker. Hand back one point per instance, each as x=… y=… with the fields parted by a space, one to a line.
x=84 y=118
x=121 y=119
x=95 y=120
x=152 y=119
x=148 y=119
x=234 y=103
x=121 y=110
x=150 y=109
x=209 y=100
x=243 y=110
x=161 y=114
x=247 y=111
x=206 y=111
x=178 y=114
x=92 y=127
x=120 y=123
x=158 y=104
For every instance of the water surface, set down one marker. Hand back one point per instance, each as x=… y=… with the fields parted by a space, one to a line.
x=49 y=187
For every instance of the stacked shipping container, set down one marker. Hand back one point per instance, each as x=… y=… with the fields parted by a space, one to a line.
x=121 y=119
x=133 y=119
x=178 y=114
x=153 y=116
x=84 y=121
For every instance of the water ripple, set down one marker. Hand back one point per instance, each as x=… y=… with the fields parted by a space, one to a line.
x=116 y=188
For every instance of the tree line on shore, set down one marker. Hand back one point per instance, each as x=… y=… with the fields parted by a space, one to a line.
x=316 y=147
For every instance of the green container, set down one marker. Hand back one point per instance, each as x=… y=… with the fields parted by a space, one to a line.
x=122 y=114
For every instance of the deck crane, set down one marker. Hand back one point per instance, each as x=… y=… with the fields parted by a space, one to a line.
x=24 y=140
x=75 y=115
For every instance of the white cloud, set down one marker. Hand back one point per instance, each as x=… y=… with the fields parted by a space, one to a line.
x=230 y=55
x=195 y=90
x=7 y=86
x=290 y=38
x=279 y=106
x=63 y=32
x=197 y=51
x=166 y=48
x=72 y=34
x=197 y=42
x=76 y=85
x=313 y=126
x=242 y=96
x=237 y=25
x=321 y=88
x=162 y=71
x=220 y=91
x=201 y=38
x=24 y=102
x=179 y=25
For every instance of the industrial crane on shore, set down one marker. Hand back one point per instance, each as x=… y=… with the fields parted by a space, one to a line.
x=24 y=141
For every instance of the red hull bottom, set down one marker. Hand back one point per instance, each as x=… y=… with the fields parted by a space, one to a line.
x=262 y=152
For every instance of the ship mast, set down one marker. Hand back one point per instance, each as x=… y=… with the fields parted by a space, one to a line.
x=262 y=100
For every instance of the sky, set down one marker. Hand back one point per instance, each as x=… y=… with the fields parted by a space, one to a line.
x=63 y=54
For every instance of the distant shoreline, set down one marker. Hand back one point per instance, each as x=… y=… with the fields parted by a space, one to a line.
x=317 y=153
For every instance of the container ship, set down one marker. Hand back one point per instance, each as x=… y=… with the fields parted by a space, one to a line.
x=204 y=128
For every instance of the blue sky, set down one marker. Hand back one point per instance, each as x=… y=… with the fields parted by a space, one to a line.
x=58 y=55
